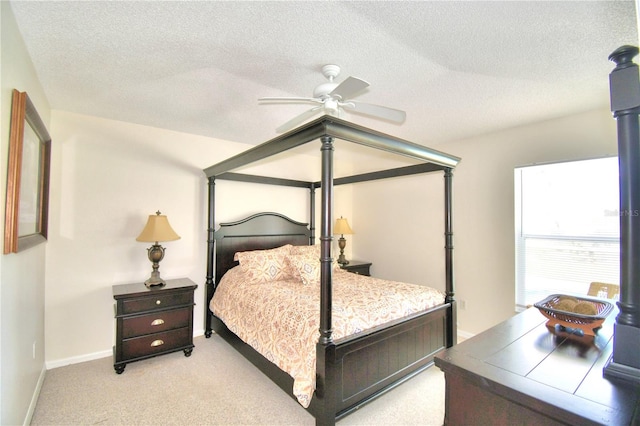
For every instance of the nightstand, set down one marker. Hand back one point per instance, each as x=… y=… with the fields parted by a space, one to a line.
x=357 y=267
x=152 y=321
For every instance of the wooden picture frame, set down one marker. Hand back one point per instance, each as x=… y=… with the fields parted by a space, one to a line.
x=27 y=205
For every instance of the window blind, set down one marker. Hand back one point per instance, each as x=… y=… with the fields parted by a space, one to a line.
x=567 y=228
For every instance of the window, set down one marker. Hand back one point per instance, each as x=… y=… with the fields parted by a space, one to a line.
x=567 y=228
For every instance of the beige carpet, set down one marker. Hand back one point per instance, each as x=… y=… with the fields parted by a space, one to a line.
x=215 y=386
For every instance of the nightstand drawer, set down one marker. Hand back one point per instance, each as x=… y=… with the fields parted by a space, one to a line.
x=156 y=322
x=156 y=343
x=158 y=301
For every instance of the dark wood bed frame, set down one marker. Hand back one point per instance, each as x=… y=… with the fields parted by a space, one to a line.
x=353 y=370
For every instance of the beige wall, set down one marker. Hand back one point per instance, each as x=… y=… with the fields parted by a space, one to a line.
x=108 y=176
x=22 y=275
x=400 y=223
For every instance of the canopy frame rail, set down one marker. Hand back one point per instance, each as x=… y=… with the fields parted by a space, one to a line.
x=364 y=177
x=327 y=126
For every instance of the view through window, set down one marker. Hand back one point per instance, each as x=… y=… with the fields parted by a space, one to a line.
x=567 y=228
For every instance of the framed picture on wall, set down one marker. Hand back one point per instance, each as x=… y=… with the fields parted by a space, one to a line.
x=26 y=215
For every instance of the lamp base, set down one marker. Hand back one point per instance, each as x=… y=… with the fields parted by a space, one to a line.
x=342 y=243
x=155 y=253
x=154 y=280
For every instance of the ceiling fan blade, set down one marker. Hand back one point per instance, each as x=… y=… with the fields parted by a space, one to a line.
x=298 y=119
x=290 y=99
x=376 y=110
x=349 y=87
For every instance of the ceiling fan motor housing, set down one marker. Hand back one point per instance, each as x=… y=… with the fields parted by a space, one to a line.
x=322 y=91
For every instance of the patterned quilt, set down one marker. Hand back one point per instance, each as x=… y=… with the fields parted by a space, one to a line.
x=280 y=318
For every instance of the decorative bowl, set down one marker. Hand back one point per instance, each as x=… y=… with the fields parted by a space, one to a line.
x=587 y=323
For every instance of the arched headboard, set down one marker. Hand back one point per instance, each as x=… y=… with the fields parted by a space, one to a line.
x=260 y=231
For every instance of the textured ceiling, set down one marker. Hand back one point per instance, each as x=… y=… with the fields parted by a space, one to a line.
x=457 y=68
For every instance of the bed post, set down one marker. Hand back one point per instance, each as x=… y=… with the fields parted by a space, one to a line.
x=326 y=238
x=325 y=348
x=312 y=214
x=452 y=334
x=625 y=104
x=210 y=283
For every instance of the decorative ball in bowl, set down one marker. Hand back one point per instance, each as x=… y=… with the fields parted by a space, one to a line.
x=574 y=312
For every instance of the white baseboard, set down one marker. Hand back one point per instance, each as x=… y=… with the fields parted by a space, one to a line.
x=78 y=359
x=93 y=356
x=34 y=398
x=465 y=334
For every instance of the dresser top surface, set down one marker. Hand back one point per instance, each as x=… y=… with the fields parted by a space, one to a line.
x=139 y=289
x=523 y=358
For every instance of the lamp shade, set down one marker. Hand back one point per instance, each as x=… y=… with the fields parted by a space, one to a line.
x=157 y=229
x=342 y=227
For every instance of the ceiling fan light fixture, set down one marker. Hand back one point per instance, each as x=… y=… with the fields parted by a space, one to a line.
x=331 y=104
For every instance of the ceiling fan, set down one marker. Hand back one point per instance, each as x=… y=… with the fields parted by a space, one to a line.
x=334 y=98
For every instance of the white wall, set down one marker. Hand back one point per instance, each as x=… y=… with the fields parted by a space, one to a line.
x=400 y=223
x=22 y=275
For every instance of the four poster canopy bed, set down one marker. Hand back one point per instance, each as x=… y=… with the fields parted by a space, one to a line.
x=335 y=356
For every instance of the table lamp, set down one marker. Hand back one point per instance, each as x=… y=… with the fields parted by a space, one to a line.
x=156 y=230
x=342 y=228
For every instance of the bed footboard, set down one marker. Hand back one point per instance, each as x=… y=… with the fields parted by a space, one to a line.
x=368 y=365
x=361 y=368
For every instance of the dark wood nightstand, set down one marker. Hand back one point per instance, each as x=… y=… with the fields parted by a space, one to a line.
x=151 y=322
x=358 y=267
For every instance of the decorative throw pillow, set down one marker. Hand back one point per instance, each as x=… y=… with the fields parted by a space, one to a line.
x=262 y=266
x=307 y=266
x=305 y=262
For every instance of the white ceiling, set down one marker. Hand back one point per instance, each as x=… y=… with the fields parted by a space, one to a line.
x=457 y=68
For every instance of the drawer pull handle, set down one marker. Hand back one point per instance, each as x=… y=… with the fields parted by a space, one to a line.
x=157 y=322
x=158 y=302
x=157 y=343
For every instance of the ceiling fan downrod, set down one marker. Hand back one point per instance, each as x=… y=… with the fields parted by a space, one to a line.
x=323 y=90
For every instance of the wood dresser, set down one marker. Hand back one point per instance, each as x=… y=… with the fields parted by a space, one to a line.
x=151 y=322
x=521 y=372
